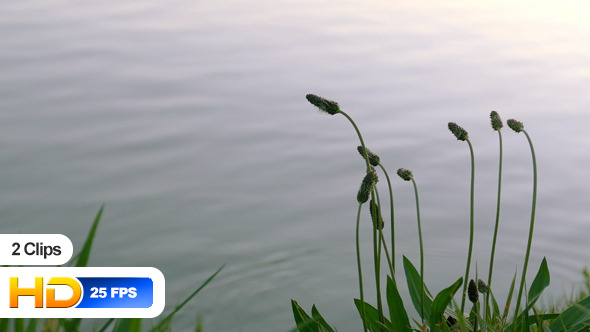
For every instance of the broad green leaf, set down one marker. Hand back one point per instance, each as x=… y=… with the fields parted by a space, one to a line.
x=414 y=286
x=572 y=317
x=539 y=284
x=440 y=303
x=397 y=312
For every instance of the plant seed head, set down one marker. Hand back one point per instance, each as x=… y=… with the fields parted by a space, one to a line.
x=373 y=158
x=405 y=174
x=459 y=132
x=369 y=182
x=482 y=286
x=517 y=126
x=329 y=106
x=472 y=292
x=496 y=121
x=378 y=222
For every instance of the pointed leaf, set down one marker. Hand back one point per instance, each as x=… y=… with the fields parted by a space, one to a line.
x=397 y=312
x=372 y=314
x=318 y=318
x=414 y=286
x=302 y=319
x=441 y=302
x=539 y=284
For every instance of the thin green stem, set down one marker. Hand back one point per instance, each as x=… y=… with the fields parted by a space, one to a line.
x=358 y=261
x=532 y=225
x=377 y=234
x=360 y=138
x=392 y=263
x=471 y=226
x=421 y=248
x=495 y=227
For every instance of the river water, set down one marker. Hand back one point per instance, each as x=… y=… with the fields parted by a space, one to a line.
x=188 y=120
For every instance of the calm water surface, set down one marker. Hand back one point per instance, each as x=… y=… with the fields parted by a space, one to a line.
x=188 y=120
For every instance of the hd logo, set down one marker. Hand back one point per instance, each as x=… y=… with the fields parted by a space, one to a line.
x=91 y=292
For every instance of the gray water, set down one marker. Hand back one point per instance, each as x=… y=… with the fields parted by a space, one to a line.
x=189 y=121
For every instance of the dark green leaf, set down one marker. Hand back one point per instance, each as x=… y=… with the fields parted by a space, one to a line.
x=414 y=286
x=303 y=321
x=572 y=317
x=440 y=303
x=397 y=312
x=318 y=318
x=539 y=284
x=372 y=314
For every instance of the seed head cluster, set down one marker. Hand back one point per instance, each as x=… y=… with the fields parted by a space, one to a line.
x=373 y=158
x=325 y=105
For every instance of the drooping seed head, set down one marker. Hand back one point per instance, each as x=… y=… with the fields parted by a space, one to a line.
x=458 y=131
x=482 y=286
x=472 y=292
x=378 y=222
x=496 y=121
x=373 y=158
x=369 y=182
x=517 y=126
x=326 y=105
x=405 y=174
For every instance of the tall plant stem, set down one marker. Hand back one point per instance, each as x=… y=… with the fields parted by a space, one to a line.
x=421 y=248
x=471 y=226
x=392 y=262
x=487 y=295
x=375 y=239
x=377 y=234
x=532 y=225
x=360 y=271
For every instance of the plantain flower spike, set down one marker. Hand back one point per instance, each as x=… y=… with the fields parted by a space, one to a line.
x=482 y=286
x=329 y=106
x=472 y=292
x=369 y=182
x=378 y=222
x=517 y=126
x=405 y=174
x=496 y=121
x=458 y=131
x=373 y=158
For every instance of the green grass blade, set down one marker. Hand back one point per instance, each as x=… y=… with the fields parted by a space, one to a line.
x=397 y=312
x=318 y=318
x=572 y=317
x=84 y=254
x=440 y=303
x=4 y=323
x=178 y=307
x=539 y=284
x=509 y=298
x=414 y=286
x=19 y=325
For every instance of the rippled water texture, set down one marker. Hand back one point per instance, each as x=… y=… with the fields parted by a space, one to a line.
x=188 y=119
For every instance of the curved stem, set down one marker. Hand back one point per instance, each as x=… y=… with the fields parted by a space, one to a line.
x=471 y=226
x=495 y=227
x=532 y=224
x=358 y=261
x=360 y=138
x=421 y=248
x=392 y=262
